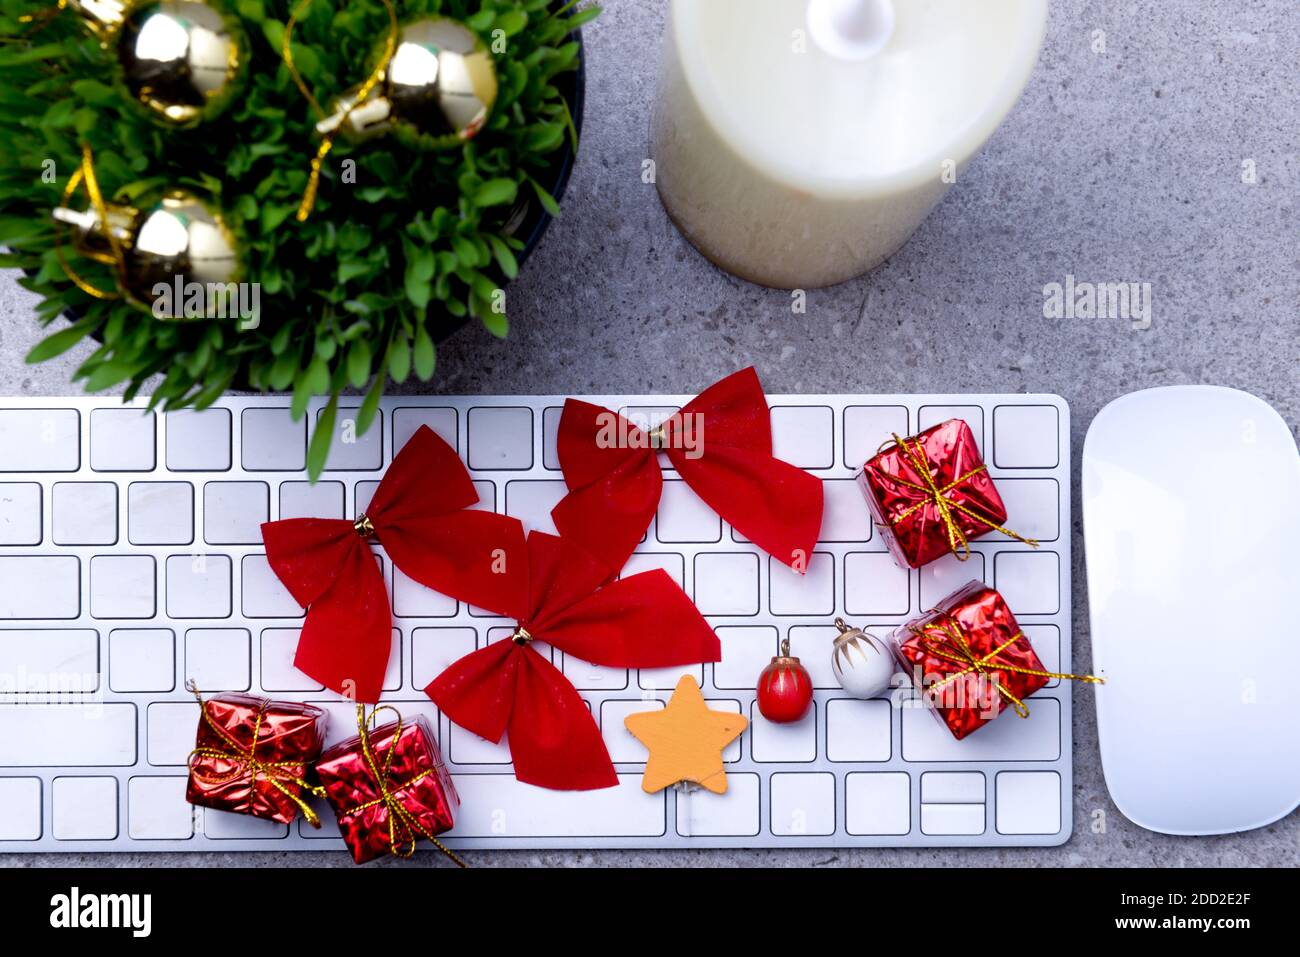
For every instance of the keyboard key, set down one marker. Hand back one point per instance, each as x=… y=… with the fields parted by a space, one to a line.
x=875 y=585
x=353 y=451
x=812 y=593
x=665 y=679
x=1025 y=437
x=20 y=809
x=952 y=787
x=406 y=422
x=804 y=435
x=98 y=734
x=1029 y=581
x=1046 y=642
x=84 y=809
x=733 y=814
x=40 y=586
x=304 y=500
x=1006 y=738
x=123 y=586
x=497 y=805
x=803 y=805
x=233 y=512
x=745 y=652
x=487 y=497
x=952 y=819
x=867 y=428
x=272 y=441
x=726 y=583
x=198 y=586
x=40 y=440
x=45 y=660
x=279 y=645
x=531 y=502
x=413 y=600
x=683 y=516
x=773 y=741
x=198 y=441
x=160 y=513
x=142 y=659
x=1032 y=507
x=669 y=562
x=932 y=415
x=550 y=435
x=156 y=809
x=858 y=730
x=622 y=746
x=877 y=803
x=20 y=513
x=845 y=517
x=466 y=747
x=83 y=513
x=588 y=677
x=500 y=438
x=122 y=440
x=222 y=826
x=434 y=649
x=945 y=575
x=1028 y=802
x=172 y=727
x=218 y=659
x=264 y=594
x=813 y=645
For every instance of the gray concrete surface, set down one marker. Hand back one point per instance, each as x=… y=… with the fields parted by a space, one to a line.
x=1123 y=165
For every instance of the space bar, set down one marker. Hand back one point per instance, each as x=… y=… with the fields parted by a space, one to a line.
x=69 y=735
x=497 y=805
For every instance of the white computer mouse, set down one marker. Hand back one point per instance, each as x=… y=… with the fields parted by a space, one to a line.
x=1191 y=517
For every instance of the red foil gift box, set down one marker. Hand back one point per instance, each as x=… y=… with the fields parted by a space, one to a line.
x=931 y=493
x=389 y=787
x=970 y=659
x=251 y=756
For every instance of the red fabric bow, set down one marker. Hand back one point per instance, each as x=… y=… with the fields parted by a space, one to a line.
x=555 y=596
x=420 y=514
x=721 y=445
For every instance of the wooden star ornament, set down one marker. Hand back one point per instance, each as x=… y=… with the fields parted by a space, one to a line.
x=686 y=740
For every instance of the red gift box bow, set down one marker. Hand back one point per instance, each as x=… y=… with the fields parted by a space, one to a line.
x=561 y=596
x=403 y=826
x=721 y=445
x=248 y=763
x=953 y=644
x=943 y=503
x=421 y=515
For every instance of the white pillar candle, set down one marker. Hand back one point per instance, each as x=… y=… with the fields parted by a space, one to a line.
x=799 y=143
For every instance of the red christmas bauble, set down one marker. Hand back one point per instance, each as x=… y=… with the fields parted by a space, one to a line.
x=785 y=688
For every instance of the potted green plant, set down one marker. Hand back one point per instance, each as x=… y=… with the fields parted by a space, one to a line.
x=403 y=244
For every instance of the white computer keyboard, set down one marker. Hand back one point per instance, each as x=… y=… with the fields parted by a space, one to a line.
x=130 y=560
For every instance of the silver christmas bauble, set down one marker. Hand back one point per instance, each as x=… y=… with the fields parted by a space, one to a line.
x=862 y=664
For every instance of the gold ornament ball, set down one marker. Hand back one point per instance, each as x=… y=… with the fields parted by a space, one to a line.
x=437 y=90
x=180 y=59
x=177 y=235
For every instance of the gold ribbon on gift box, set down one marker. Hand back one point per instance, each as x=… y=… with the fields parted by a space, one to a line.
x=954 y=645
x=246 y=761
x=939 y=497
x=403 y=826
